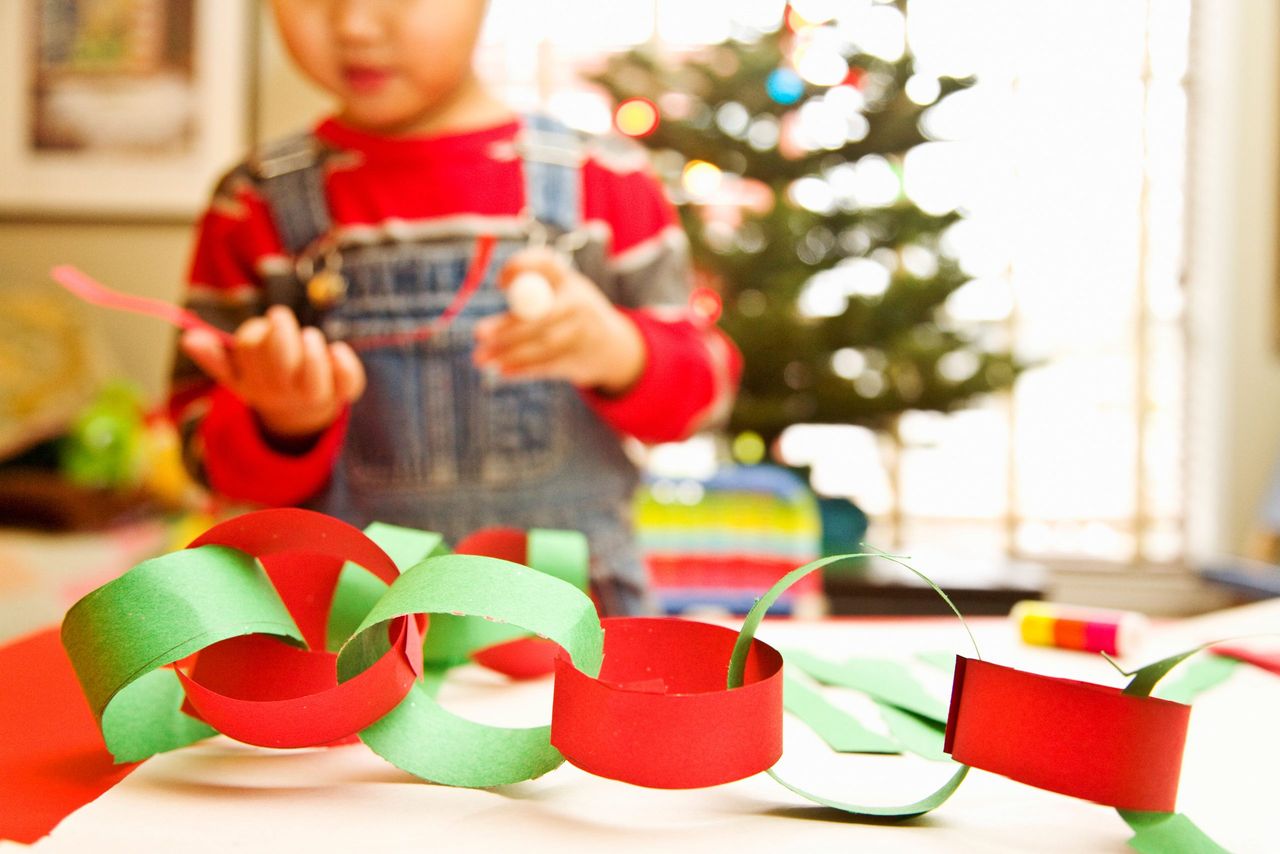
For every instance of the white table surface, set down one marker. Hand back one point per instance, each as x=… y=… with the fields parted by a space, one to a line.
x=223 y=796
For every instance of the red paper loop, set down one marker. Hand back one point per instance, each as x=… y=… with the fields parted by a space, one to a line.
x=1075 y=738
x=660 y=715
x=261 y=691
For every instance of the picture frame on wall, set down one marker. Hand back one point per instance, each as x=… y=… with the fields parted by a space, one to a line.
x=120 y=107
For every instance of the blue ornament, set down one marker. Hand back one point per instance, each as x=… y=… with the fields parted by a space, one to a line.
x=784 y=86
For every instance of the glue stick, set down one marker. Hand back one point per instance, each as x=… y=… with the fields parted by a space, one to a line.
x=1084 y=629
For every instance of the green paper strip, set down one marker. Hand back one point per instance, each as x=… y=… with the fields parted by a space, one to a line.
x=406 y=546
x=421 y=737
x=561 y=554
x=916 y=734
x=1163 y=832
x=1159 y=832
x=942 y=659
x=358 y=589
x=737 y=665
x=883 y=680
x=452 y=639
x=157 y=613
x=841 y=731
x=1196 y=678
x=355 y=594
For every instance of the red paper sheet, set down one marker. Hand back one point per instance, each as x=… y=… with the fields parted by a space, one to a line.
x=660 y=715
x=1075 y=738
x=51 y=751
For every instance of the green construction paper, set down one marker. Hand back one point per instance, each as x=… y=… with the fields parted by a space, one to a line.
x=882 y=679
x=1159 y=832
x=421 y=737
x=916 y=734
x=452 y=639
x=841 y=731
x=563 y=554
x=147 y=718
x=942 y=659
x=357 y=591
x=1162 y=832
x=157 y=613
x=737 y=665
x=1197 y=677
x=406 y=546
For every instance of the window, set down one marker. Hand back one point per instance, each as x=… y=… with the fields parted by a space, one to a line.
x=1068 y=159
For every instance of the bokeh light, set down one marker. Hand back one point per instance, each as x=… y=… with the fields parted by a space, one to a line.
x=701 y=179
x=706 y=304
x=636 y=117
x=748 y=448
x=784 y=86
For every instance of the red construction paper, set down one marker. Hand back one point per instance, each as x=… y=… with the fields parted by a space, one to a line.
x=51 y=751
x=262 y=691
x=1266 y=660
x=1075 y=738
x=93 y=291
x=660 y=715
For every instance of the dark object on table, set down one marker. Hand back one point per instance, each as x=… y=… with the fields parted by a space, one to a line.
x=1253 y=579
x=40 y=498
x=978 y=588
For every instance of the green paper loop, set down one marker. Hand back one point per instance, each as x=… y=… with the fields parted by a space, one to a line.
x=420 y=736
x=358 y=589
x=737 y=664
x=452 y=639
x=159 y=612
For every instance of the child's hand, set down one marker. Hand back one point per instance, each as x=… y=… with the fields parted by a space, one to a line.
x=292 y=378
x=582 y=338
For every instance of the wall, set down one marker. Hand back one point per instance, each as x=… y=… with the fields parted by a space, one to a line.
x=1234 y=380
x=145 y=258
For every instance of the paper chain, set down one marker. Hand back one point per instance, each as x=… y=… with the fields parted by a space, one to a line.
x=287 y=628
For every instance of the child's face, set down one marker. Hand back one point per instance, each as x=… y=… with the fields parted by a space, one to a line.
x=395 y=65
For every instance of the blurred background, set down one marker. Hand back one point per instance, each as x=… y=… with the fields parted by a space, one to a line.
x=1003 y=275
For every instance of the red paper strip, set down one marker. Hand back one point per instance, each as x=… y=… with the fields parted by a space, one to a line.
x=92 y=291
x=1075 y=738
x=660 y=715
x=470 y=284
x=261 y=691
x=51 y=750
x=1258 y=658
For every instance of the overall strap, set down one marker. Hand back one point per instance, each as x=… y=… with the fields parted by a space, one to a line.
x=290 y=174
x=552 y=155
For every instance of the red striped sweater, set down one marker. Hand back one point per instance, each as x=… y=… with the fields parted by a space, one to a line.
x=382 y=188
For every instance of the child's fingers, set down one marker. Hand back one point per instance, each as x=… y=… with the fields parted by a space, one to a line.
x=537 y=260
x=248 y=358
x=283 y=346
x=314 y=373
x=210 y=355
x=552 y=342
x=348 y=372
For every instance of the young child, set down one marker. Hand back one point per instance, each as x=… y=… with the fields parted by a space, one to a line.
x=330 y=252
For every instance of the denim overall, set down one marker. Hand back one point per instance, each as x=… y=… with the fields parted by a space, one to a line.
x=435 y=443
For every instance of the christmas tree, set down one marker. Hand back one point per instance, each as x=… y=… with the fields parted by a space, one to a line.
x=783 y=148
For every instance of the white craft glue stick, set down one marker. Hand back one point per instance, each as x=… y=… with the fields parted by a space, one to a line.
x=530 y=296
